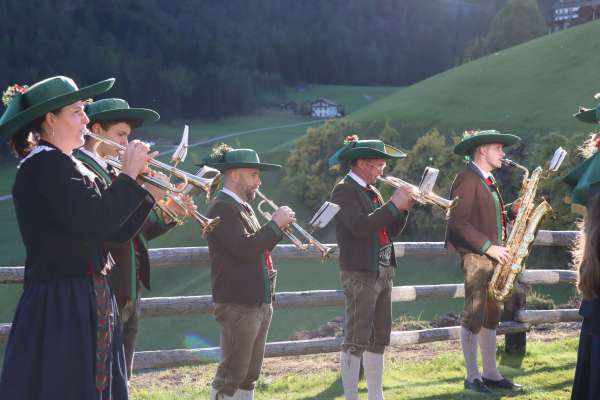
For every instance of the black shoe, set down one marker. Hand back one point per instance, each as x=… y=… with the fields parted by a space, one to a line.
x=502 y=384
x=478 y=386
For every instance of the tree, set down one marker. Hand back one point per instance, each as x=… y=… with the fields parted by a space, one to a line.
x=430 y=150
x=307 y=170
x=517 y=22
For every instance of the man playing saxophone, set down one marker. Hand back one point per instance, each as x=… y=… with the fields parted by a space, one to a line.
x=476 y=230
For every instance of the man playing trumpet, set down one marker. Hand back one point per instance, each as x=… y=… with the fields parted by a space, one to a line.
x=242 y=271
x=113 y=119
x=476 y=230
x=365 y=226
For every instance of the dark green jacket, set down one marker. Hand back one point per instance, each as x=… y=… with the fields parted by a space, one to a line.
x=358 y=224
x=237 y=253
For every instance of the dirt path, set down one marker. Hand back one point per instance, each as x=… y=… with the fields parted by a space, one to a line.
x=240 y=133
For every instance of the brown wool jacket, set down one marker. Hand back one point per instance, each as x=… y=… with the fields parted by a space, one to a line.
x=236 y=250
x=474 y=224
x=358 y=223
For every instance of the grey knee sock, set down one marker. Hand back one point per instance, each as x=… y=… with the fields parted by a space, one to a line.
x=373 y=363
x=350 y=366
x=487 y=343
x=468 y=342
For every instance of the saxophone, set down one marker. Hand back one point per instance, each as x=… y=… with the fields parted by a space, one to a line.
x=521 y=236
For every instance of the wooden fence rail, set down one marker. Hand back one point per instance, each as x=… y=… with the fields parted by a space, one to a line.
x=152 y=307
x=198 y=256
x=202 y=305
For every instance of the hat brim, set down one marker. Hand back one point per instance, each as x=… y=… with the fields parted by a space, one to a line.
x=465 y=148
x=589 y=116
x=139 y=116
x=233 y=165
x=22 y=119
x=370 y=153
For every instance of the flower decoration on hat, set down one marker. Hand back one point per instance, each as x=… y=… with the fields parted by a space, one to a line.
x=350 y=139
x=590 y=146
x=217 y=153
x=470 y=133
x=11 y=91
x=334 y=160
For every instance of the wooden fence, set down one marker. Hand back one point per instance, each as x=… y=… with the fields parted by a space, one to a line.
x=516 y=320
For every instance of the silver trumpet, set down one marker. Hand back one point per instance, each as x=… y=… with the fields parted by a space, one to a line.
x=190 y=182
x=423 y=193
x=325 y=251
x=204 y=184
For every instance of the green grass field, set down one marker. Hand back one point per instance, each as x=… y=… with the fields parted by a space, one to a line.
x=531 y=88
x=546 y=372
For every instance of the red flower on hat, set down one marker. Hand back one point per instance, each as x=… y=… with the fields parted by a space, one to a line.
x=350 y=139
x=11 y=91
x=470 y=133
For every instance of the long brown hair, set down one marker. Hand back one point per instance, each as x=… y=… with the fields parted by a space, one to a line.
x=586 y=252
x=25 y=140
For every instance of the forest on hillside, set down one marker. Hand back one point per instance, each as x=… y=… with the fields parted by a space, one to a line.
x=210 y=59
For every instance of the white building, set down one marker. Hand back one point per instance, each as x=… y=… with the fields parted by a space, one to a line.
x=566 y=13
x=325 y=108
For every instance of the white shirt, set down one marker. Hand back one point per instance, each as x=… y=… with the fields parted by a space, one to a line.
x=235 y=196
x=358 y=179
x=485 y=174
x=95 y=157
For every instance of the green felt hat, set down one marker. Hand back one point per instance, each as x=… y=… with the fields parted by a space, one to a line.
x=354 y=149
x=472 y=139
x=119 y=110
x=48 y=95
x=588 y=115
x=225 y=157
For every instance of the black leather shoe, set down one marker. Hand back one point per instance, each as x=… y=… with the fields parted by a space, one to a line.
x=478 y=386
x=502 y=384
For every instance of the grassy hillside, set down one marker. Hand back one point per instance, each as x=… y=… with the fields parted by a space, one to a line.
x=531 y=88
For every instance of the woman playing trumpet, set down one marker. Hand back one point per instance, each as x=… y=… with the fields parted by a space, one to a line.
x=66 y=341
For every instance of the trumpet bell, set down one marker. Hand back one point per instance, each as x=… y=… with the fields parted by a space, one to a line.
x=208 y=225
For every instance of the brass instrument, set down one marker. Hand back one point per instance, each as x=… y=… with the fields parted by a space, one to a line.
x=203 y=184
x=325 y=251
x=173 y=191
x=524 y=229
x=423 y=194
x=207 y=225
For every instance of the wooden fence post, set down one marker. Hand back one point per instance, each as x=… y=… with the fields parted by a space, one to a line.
x=515 y=342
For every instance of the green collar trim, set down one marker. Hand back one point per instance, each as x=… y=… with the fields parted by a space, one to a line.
x=97 y=168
